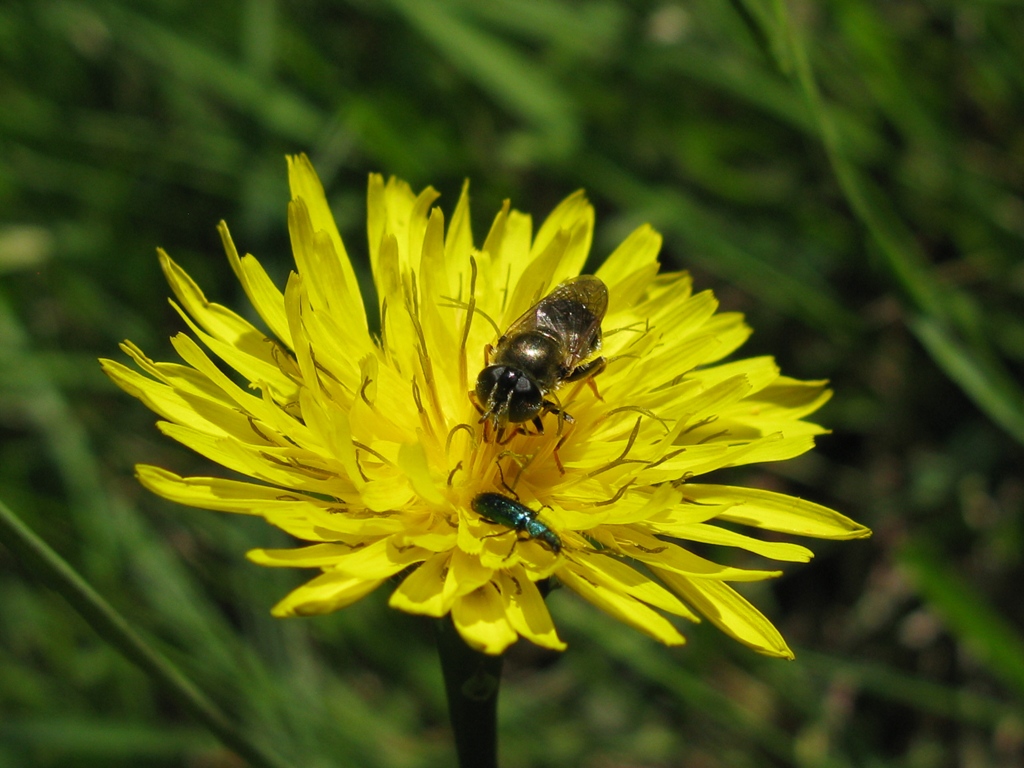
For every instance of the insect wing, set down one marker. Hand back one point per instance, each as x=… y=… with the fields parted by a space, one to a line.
x=571 y=313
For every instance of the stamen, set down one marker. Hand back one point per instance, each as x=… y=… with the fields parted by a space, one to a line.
x=637 y=409
x=383 y=322
x=681 y=480
x=414 y=292
x=252 y=424
x=519 y=459
x=623 y=356
x=629 y=328
x=468 y=322
x=504 y=291
x=416 y=397
x=362 y=391
x=458 y=304
x=369 y=450
x=647 y=550
x=622 y=456
x=688 y=500
x=698 y=424
x=292 y=463
x=709 y=438
x=666 y=457
x=452 y=473
x=357 y=545
x=426 y=366
x=451 y=436
x=616 y=497
x=317 y=366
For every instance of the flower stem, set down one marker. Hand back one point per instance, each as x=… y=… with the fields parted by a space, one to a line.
x=471 y=680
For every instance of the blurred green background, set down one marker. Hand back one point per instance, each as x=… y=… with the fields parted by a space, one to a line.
x=850 y=174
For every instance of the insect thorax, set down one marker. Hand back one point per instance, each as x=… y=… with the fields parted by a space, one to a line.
x=534 y=353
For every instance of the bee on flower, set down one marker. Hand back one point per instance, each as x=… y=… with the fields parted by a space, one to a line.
x=432 y=457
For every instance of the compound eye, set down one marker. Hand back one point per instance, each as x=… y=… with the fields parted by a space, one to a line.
x=488 y=380
x=526 y=401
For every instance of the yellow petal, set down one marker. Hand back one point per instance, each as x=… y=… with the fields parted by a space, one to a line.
x=183 y=378
x=376 y=560
x=630 y=268
x=505 y=256
x=788 y=399
x=712 y=534
x=777 y=512
x=727 y=610
x=285 y=467
x=574 y=215
x=264 y=410
x=412 y=459
x=526 y=610
x=465 y=574
x=536 y=280
x=230 y=333
x=422 y=591
x=215 y=418
x=332 y=287
x=480 y=619
x=604 y=570
x=266 y=298
x=459 y=242
x=731 y=331
x=653 y=551
x=304 y=517
x=622 y=607
x=324 y=594
x=329 y=423
x=315 y=556
x=305 y=185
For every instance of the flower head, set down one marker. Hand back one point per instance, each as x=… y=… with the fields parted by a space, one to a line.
x=372 y=451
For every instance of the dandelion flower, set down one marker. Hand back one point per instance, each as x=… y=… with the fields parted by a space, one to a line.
x=370 y=450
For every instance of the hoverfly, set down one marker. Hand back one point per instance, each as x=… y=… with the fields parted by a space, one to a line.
x=553 y=342
x=500 y=509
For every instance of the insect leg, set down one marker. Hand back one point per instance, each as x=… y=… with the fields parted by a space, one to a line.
x=499 y=533
x=588 y=369
x=554 y=454
x=511 y=550
x=563 y=416
x=476 y=403
x=506 y=486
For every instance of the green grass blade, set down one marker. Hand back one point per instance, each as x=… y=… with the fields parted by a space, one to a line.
x=713 y=243
x=274 y=105
x=34 y=553
x=969 y=616
x=662 y=668
x=994 y=393
x=971 y=366
x=890 y=684
x=514 y=81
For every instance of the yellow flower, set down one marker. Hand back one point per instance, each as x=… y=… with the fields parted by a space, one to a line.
x=372 y=450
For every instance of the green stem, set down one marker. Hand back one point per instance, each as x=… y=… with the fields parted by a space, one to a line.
x=34 y=554
x=471 y=680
